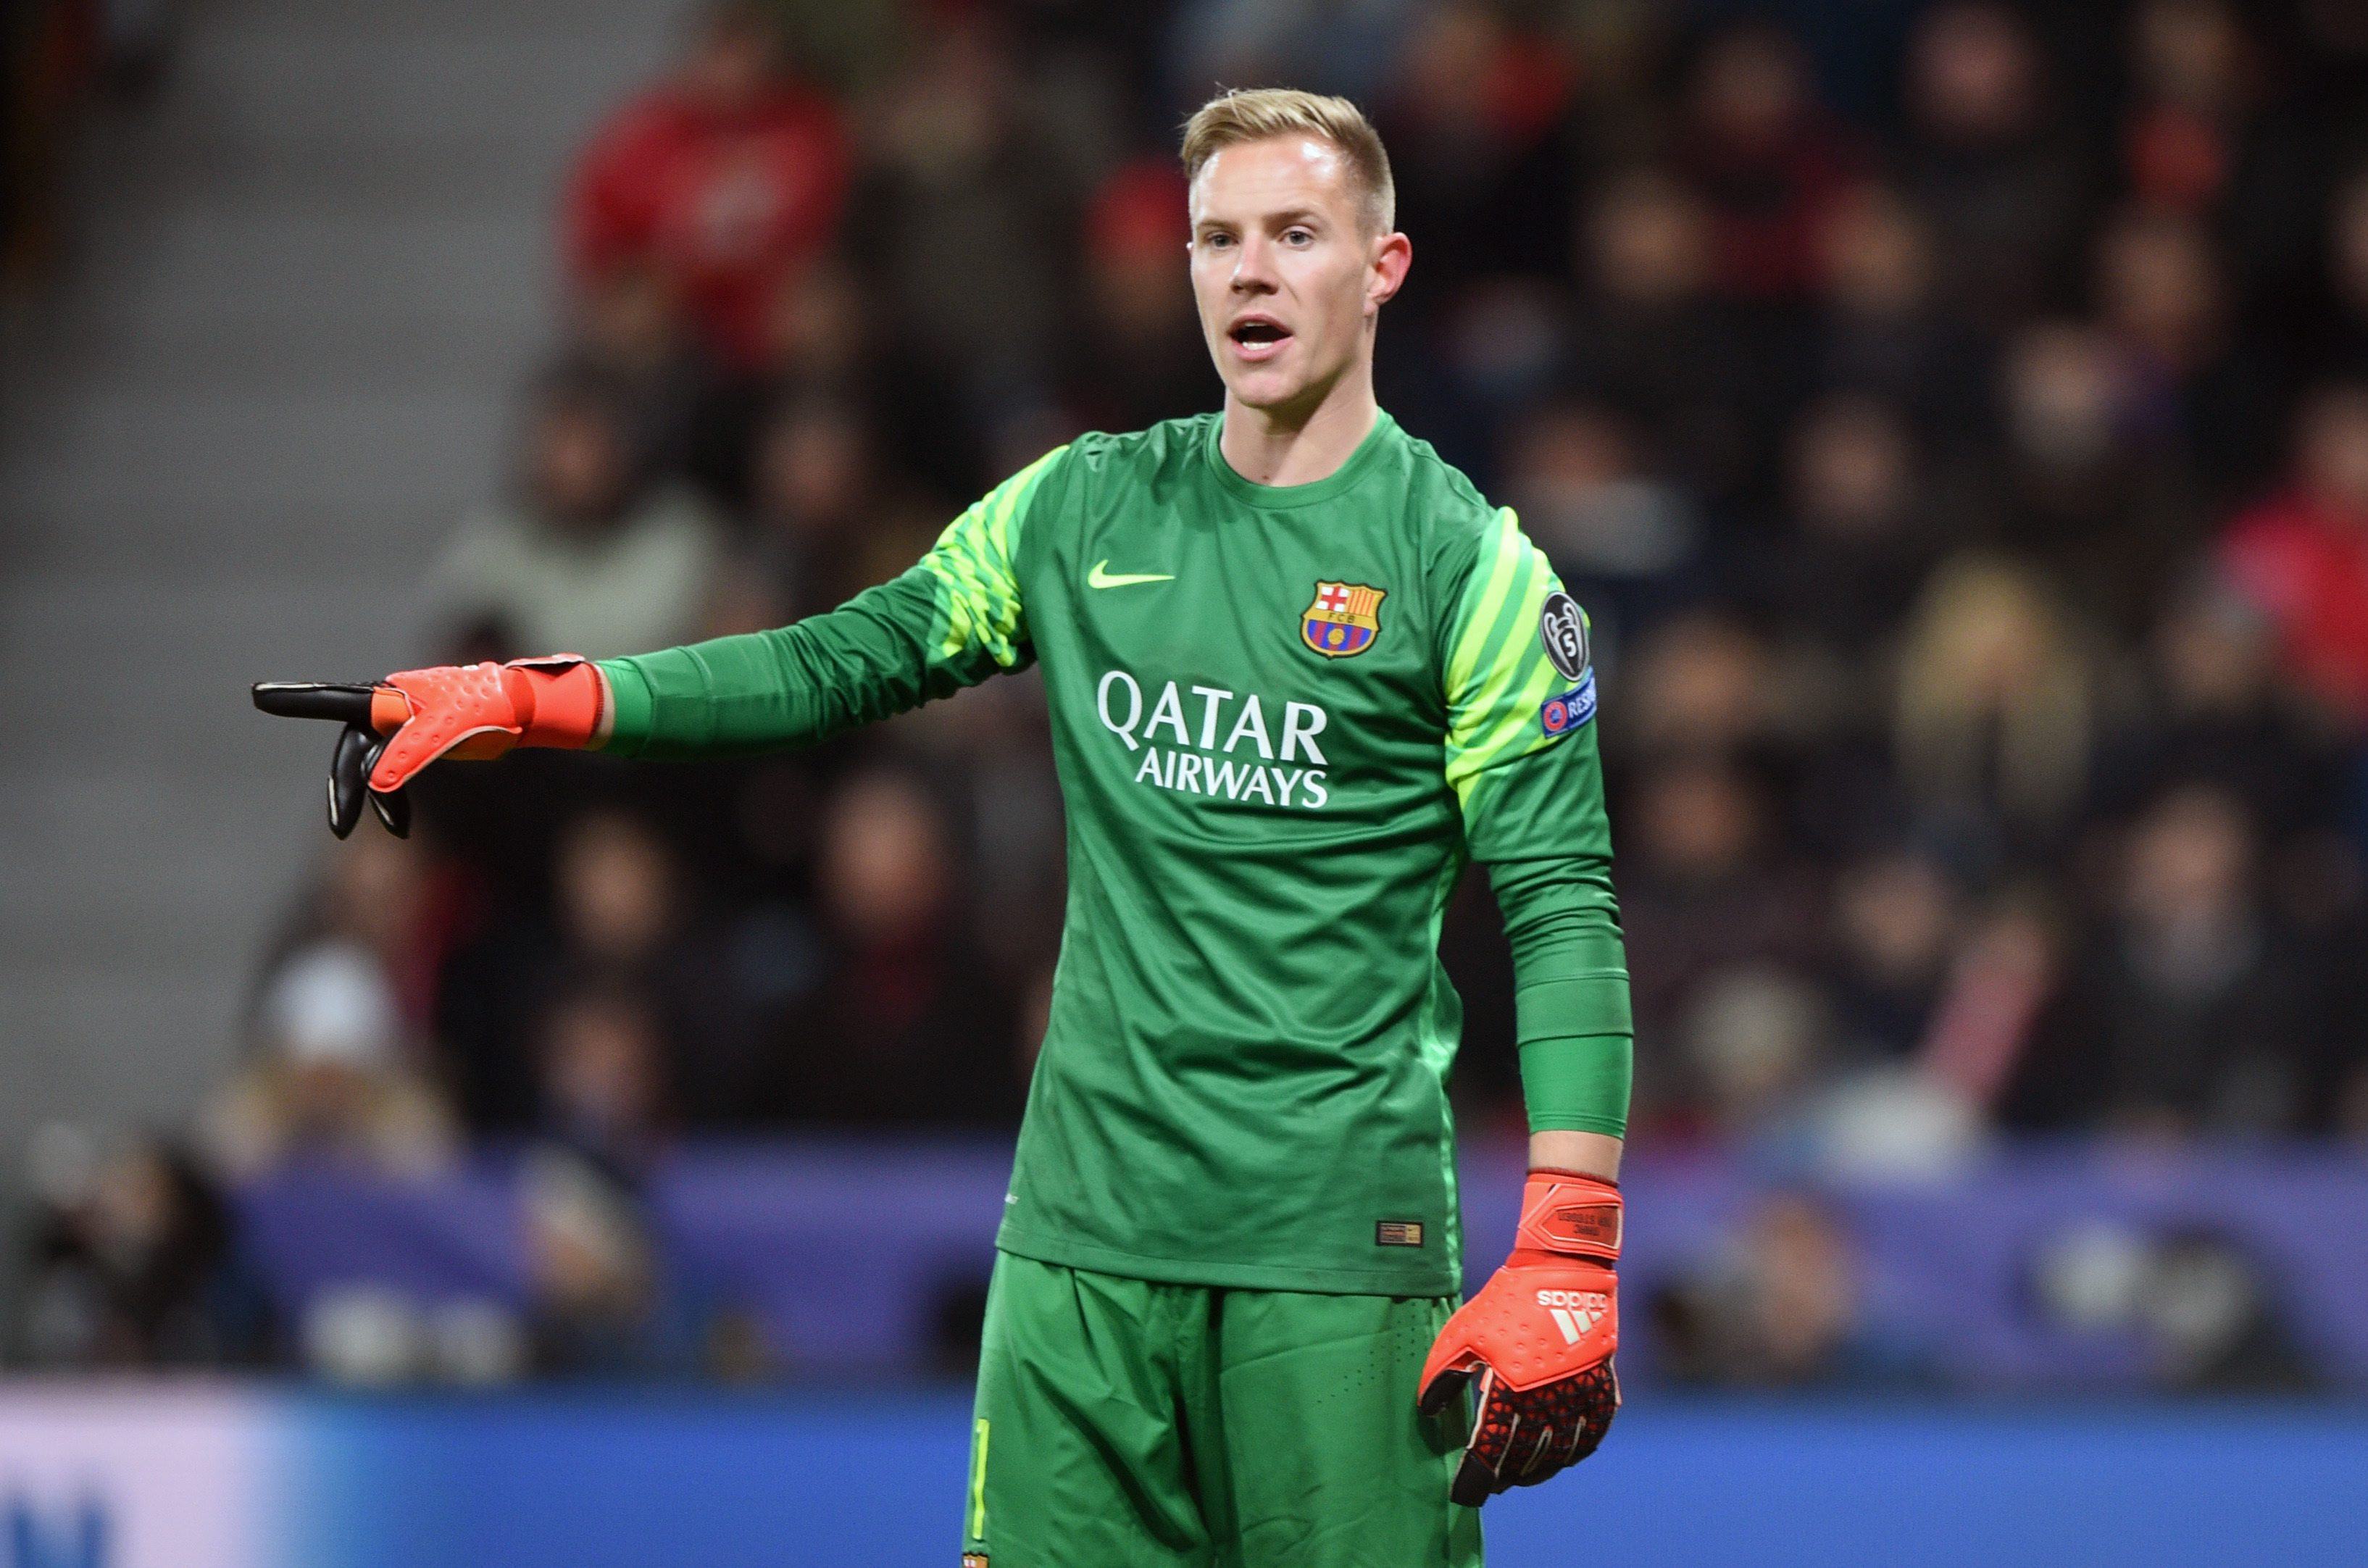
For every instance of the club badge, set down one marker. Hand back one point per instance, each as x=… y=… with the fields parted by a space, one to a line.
x=1343 y=621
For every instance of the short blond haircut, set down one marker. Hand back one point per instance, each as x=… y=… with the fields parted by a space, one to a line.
x=1253 y=114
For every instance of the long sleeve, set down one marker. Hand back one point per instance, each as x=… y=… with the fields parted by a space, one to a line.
x=951 y=620
x=1570 y=993
x=1521 y=757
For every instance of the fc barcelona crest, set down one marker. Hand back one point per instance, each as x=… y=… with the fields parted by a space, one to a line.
x=1344 y=620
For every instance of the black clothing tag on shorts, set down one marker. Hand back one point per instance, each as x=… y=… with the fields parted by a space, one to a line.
x=1397 y=1233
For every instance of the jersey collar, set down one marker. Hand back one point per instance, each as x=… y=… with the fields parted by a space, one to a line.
x=1285 y=497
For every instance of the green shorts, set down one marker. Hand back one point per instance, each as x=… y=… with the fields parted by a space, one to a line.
x=1125 y=1424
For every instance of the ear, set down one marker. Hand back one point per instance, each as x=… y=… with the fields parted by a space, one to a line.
x=1386 y=270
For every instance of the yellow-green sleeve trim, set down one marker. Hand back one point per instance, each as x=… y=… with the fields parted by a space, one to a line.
x=974 y=561
x=950 y=622
x=1497 y=675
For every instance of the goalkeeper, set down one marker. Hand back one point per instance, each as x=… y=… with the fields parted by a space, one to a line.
x=1299 y=672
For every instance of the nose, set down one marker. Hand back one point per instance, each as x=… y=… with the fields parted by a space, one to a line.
x=1253 y=272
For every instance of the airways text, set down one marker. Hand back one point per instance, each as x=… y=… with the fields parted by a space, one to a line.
x=1280 y=762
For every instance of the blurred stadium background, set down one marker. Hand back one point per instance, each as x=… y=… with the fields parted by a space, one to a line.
x=1955 y=415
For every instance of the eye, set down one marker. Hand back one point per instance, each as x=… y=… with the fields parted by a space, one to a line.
x=1216 y=241
x=1298 y=237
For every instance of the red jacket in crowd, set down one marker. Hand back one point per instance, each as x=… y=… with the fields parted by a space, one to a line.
x=2305 y=563
x=724 y=205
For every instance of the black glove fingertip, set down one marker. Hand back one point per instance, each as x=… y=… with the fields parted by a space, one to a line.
x=1474 y=1485
x=1441 y=1392
x=393 y=809
x=344 y=701
x=349 y=779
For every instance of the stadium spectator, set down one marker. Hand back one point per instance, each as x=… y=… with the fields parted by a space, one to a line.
x=626 y=909
x=603 y=1075
x=967 y=199
x=1704 y=683
x=1878 y=330
x=1995 y=718
x=823 y=349
x=1139 y=358
x=908 y=1024
x=629 y=335
x=1897 y=920
x=2209 y=1310
x=1752 y=1043
x=329 y=1082
x=2002 y=976
x=827 y=522
x=2082 y=494
x=1479 y=118
x=2163 y=299
x=129 y=1263
x=820 y=327
x=1649 y=340
x=1987 y=163
x=2338 y=343
x=2194 y=88
x=1785 y=1307
x=391 y=898
x=2229 y=119
x=1314 y=43
x=1626 y=542
x=590 y=1269
x=722 y=180
x=1704 y=890
x=623 y=910
x=2189 y=1011
x=2298 y=557
x=988 y=760
x=2217 y=713
x=1767 y=160
x=588 y=556
x=1858 y=542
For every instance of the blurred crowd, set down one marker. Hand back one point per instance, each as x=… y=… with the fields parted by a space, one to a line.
x=58 y=58
x=1953 y=416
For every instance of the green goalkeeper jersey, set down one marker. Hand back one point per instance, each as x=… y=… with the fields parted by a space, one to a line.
x=1284 y=718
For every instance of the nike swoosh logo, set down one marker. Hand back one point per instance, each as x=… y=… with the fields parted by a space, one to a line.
x=1099 y=578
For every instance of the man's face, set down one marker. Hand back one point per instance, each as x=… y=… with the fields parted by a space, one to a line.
x=577 y=463
x=1286 y=268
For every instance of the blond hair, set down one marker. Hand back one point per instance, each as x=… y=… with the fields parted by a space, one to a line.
x=1995 y=693
x=1253 y=114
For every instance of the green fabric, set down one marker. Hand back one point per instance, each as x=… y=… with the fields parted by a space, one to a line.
x=1570 y=994
x=628 y=701
x=1245 y=1068
x=1124 y=1423
x=949 y=622
x=1570 y=1085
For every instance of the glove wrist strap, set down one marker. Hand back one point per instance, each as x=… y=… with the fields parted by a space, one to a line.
x=1567 y=1215
x=557 y=699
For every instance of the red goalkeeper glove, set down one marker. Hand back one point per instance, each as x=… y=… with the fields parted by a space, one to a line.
x=1535 y=1345
x=399 y=725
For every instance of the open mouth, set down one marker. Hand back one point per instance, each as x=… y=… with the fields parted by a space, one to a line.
x=1257 y=336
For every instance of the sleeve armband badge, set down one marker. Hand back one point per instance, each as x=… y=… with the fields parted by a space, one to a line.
x=1571 y=709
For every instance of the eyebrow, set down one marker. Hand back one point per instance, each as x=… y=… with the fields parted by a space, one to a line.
x=1287 y=216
